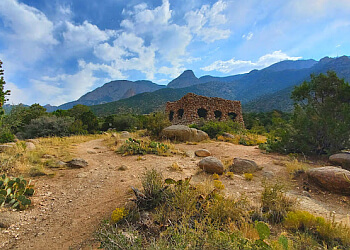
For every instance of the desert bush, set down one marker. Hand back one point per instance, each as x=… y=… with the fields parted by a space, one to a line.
x=322 y=230
x=275 y=204
x=216 y=128
x=125 y=122
x=140 y=147
x=248 y=176
x=156 y=122
x=48 y=126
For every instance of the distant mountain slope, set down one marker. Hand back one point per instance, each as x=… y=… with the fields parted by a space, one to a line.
x=113 y=91
x=269 y=88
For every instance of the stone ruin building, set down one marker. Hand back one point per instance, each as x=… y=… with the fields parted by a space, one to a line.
x=191 y=108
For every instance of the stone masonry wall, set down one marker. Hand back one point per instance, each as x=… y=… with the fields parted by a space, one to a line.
x=191 y=107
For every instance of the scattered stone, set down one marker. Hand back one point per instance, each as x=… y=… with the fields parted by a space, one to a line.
x=114 y=135
x=123 y=168
x=77 y=163
x=184 y=133
x=91 y=152
x=30 y=145
x=4 y=148
x=97 y=148
x=333 y=179
x=202 y=153
x=47 y=156
x=190 y=154
x=228 y=135
x=34 y=141
x=307 y=194
x=268 y=174
x=211 y=165
x=82 y=175
x=241 y=166
x=341 y=159
x=125 y=135
x=61 y=164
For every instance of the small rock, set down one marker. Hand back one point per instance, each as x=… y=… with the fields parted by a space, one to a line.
x=190 y=154
x=268 y=174
x=7 y=219
x=30 y=145
x=341 y=159
x=82 y=175
x=202 y=153
x=114 y=135
x=91 y=152
x=211 y=165
x=228 y=135
x=123 y=168
x=77 y=163
x=242 y=166
x=47 y=156
x=34 y=141
x=125 y=135
x=97 y=148
x=307 y=194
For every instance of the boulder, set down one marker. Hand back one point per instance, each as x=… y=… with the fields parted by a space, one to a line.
x=211 y=165
x=125 y=135
x=333 y=179
x=77 y=163
x=241 y=166
x=30 y=145
x=202 y=153
x=184 y=133
x=341 y=159
x=228 y=135
x=4 y=148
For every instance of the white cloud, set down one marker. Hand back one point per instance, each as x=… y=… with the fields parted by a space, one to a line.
x=240 y=66
x=17 y=95
x=85 y=35
x=248 y=36
x=205 y=21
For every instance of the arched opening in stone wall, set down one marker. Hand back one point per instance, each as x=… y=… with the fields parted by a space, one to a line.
x=202 y=113
x=217 y=114
x=180 y=113
x=171 y=115
x=232 y=116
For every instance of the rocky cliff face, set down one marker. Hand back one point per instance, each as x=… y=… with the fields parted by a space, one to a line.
x=186 y=79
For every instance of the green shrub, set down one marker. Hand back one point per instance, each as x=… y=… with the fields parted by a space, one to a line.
x=215 y=128
x=6 y=135
x=48 y=126
x=156 y=122
x=139 y=147
x=125 y=122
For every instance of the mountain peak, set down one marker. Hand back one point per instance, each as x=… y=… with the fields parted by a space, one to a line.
x=186 y=79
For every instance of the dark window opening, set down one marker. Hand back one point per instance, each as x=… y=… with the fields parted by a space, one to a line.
x=232 y=116
x=171 y=115
x=202 y=113
x=180 y=113
x=217 y=114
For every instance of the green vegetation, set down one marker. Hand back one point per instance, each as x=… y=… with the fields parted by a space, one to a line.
x=140 y=147
x=174 y=214
x=320 y=121
x=216 y=128
x=3 y=93
x=15 y=192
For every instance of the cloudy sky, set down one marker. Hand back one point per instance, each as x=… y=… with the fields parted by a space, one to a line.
x=54 y=51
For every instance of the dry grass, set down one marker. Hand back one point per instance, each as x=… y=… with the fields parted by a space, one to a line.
x=48 y=152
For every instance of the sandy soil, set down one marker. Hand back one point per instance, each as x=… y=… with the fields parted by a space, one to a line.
x=69 y=206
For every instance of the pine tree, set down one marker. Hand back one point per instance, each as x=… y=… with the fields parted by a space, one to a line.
x=3 y=93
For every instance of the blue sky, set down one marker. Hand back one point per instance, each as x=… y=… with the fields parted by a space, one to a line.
x=55 y=51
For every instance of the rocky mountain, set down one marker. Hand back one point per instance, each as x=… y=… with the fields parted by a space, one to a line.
x=263 y=90
x=186 y=79
x=113 y=91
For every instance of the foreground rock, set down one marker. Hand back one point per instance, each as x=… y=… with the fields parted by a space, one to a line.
x=211 y=165
x=77 y=163
x=184 y=133
x=333 y=179
x=125 y=135
x=242 y=166
x=202 y=153
x=341 y=159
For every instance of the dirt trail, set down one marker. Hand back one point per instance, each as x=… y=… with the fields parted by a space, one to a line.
x=69 y=206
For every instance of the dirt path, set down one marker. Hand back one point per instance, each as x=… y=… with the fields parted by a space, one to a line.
x=69 y=206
